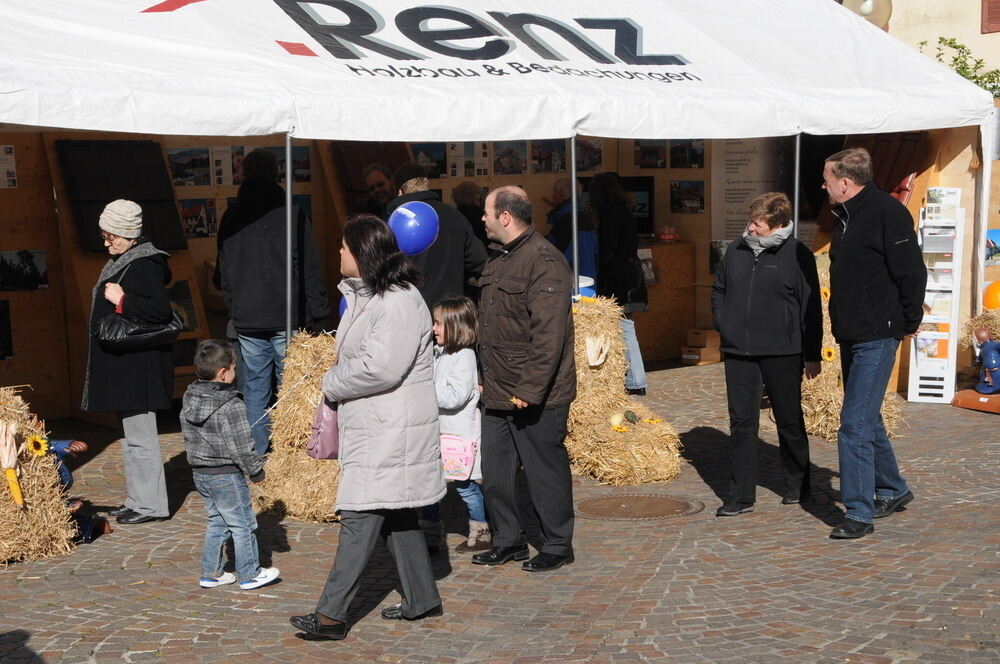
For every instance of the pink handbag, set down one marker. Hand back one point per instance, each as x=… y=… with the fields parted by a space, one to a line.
x=458 y=457
x=324 y=443
x=325 y=440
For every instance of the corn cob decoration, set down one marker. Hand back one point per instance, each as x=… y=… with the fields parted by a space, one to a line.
x=8 y=460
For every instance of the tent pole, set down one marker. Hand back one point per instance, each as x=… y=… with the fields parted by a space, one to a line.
x=288 y=239
x=576 y=222
x=797 y=185
x=983 y=186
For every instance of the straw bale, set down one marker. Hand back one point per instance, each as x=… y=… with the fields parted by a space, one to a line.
x=298 y=486
x=823 y=396
x=990 y=319
x=44 y=527
x=647 y=451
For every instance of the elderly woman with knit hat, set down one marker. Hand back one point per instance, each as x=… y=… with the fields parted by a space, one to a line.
x=135 y=383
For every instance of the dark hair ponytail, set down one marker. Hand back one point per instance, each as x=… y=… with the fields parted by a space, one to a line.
x=381 y=264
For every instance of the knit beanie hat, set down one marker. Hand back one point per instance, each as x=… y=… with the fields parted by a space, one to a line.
x=122 y=218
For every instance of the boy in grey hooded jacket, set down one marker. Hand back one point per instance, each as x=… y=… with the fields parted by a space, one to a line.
x=220 y=452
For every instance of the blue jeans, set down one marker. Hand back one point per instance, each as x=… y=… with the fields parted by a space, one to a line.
x=471 y=495
x=868 y=468
x=264 y=357
x=227 y=502
x=635 y=378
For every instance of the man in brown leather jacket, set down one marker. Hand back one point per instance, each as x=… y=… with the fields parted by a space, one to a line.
x=529 y=381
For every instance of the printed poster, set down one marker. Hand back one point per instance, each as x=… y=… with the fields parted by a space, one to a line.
x=199 y=217
x=222 y=165
x=687 y=196
x=189 y=167
x=688 y=153
x=589 y=154
x=8 y=167
x=510 y=158
x=23 y=269
x=993 y=246
x=548 y=156
x=649 y=153
x=432 y=157
x=469 y=159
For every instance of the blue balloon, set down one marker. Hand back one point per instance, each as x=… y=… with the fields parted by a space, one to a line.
x=343 y=305
x=415 y=225
x=588 y=291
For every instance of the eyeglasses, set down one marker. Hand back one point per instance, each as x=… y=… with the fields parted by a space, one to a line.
x=109 y=237
x=378 y=185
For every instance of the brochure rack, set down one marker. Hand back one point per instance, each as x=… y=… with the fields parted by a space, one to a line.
x=935 y=347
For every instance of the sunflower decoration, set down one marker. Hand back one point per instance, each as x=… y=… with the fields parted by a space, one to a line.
x=38 y=445
x=829 y=354
x=620 y=428
x=651 y=420
x=825 y=294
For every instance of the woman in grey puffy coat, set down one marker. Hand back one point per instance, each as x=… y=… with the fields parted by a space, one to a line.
x=383 y=383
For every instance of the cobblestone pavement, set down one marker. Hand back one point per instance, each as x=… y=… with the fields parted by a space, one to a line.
x=763 y=587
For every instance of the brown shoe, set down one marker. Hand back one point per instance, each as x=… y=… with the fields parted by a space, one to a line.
x=479 y=538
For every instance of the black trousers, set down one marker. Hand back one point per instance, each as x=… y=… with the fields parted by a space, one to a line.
x=401 y=533
x=745 y=377
x=531 y=438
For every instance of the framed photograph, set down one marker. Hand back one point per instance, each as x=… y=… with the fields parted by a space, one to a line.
x=510 y=158
x=432 y=157
x=589 y=154
x=199 y=217
x=548 y=156
x=23 y=270
x=649 y=153
x=189 y=166
x=687 y=153
x=687 y=196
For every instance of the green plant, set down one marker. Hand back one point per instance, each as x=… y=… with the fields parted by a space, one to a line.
x=965 y=65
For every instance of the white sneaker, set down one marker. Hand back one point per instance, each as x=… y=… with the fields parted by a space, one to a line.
x=266 y=576
x=224 y=580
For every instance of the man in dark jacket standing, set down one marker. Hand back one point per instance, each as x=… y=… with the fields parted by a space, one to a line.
x=456 y=256
x=766 y=304
x=250 y=272
x=529 y=382
x=877 y=281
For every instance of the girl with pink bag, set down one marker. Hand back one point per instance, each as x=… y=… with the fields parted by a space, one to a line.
x=456 y=384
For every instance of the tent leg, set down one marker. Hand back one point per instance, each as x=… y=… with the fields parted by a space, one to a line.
x=288 y=239
x=576 y=222
x=797 y=185
x=983 y=187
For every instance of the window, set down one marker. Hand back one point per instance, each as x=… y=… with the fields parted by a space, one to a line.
x=991 y=16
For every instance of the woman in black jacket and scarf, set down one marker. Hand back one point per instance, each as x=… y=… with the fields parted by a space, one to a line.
x=135 y=383
x=766 y=305
x=619 y=274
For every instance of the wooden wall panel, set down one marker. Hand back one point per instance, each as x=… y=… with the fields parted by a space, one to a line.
x=38 y=325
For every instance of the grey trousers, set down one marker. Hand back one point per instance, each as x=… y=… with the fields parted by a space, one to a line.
x=401 y=532
x=145 y=484
x=531 y=439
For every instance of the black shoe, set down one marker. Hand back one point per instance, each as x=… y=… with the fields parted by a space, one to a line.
x=499 y=555
x=637 y=391
x=884 y=508
x=791 y=499
x=310 y=624
x=130 y=517
x=732 y=508
x=546 y=562
x=118 y=511
x=395 y=612
x=851 y=529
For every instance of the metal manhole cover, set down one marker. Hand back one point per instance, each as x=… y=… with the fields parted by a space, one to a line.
x=637 y=507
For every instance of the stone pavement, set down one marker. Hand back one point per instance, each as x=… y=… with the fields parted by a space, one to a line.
x=763 y=587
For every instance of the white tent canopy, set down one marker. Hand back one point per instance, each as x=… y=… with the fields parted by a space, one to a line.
x=480 y=70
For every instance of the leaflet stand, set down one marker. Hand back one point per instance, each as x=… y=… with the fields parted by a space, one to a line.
x=935 y=347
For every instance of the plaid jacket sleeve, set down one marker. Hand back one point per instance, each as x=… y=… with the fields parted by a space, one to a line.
x=239 y=443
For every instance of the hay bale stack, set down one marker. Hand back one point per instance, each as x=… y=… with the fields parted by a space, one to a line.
x=823 y=396
x=296 y=485
x=989 y=319
x=637 y=453
x=44 y=527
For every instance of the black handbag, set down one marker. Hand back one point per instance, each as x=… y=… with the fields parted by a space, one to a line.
x=119 y=333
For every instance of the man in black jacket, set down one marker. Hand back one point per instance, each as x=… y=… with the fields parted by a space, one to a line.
x=456 y=256
x=250 y=272
x=877 y=281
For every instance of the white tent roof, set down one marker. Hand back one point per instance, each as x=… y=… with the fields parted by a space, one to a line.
x=741 y=68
